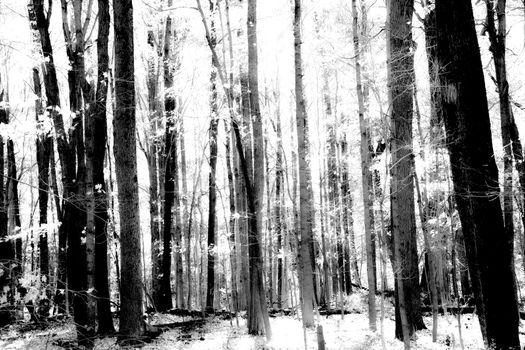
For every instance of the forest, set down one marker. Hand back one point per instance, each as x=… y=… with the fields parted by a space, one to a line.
x=278 y=174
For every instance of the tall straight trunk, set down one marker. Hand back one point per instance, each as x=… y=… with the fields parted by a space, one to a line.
x=7 y=251
x=43 y=151
x=349 y=251
x=269 y=231
x=258 y=322
x=104 y=316
x=90 y=222
x=306 y=216
x=474 y=171
x=179 y=269
x=497 y=36
x=169 y=168
x=231 y=222
x=325 y=298
x=401 y=80
x=14 y=207
x=131 y=323
x=212 y=187
x=185 y=210
x=165 y=302
x=153 y=172
x=366 y=176
x=279 y=203
x=242 y=189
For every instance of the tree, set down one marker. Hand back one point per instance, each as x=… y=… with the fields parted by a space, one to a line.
x=475 y=174
x=131 y=323
x=257 y=310
x=306 y=211
x=43 y=151
x=403 y=221
x=99 y=124
x=366 y=176
x=212 y=187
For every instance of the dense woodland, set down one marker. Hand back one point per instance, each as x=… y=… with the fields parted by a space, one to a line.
x=260 y=159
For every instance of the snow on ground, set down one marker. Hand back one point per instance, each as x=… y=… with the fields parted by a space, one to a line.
x=348 y=333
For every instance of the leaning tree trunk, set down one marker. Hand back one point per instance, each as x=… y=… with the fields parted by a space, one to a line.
x=475 y=174
x=401 y=80
x=131 y=323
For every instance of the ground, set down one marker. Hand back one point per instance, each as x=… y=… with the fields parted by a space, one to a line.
x=349 y=333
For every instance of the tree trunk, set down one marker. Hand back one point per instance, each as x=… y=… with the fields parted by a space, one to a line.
x=258 y=322
x=306 y=210
x=366 y=177
x=7 y=248
x=401 y=80
x=474 y=171
x=212 y=187
x=279 y=203
x=131 y=323
x=43 y=150
x=99 y=134
x=153 y=172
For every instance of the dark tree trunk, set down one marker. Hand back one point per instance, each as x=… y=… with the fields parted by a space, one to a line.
x=475 y=175
x=7 y=248
x=401 y=80
x=105 y=320
x=131 y=323
x=279 y=205
x=212 y=187
x=170 y=154
x=153 y=170
x=258 y=322
x=43 y=151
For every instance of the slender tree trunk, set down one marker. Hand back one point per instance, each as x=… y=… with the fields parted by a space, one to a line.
x=131 y=323
x=153 y=172
x=43 y=150
x=474 y=171
x=306 y=216
x=104 y=316
x=7 y=248
x=349 y=251
x=279 y=203
x=212 y=187
x=231 y=222
x=366 y=177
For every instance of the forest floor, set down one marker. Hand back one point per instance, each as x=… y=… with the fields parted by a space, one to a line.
x=349 y=333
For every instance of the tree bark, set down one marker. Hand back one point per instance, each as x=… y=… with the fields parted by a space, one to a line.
x=366 y=176
x=212 y=187
x=131 y=323
x=475 y=175
x=258 y=322
x=401 y=80
x=306 y=210
x=43 y=150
